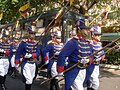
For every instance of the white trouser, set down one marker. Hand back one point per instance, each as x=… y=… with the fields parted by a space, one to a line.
x=29 y=72
x=78 y=83
x=13 y=61
x=54 y=70
x=4 y=66
x=94 y=80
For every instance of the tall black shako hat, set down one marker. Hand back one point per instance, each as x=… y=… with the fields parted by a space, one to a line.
x=80 y=24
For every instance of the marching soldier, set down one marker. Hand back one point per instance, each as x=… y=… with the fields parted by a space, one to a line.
x=12 y=61
x=93 y=82
x=29 y=49
x=77 y=50
x=52 y=50
x=5 y=54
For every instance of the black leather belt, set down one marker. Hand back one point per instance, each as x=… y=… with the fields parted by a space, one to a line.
x=14 y=52
x=96 y=62
x=80 y=65
x=30 y=60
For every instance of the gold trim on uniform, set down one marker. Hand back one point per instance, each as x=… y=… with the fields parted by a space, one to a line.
x=84 y=52
x=83 y=47
x=31 y=47
x=83 y=42
x=29 y=44
x=80 y=56
x=32 y=51
x=96 y=48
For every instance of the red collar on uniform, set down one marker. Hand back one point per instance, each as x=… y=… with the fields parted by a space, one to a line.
x=30 y=40
x=95 y=40
x=82 y=38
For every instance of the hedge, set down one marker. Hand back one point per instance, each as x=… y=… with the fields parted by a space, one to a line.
x=112 y=57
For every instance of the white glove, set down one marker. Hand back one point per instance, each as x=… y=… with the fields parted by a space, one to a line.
x=60 y=74
x=27 y=55
x=57 y=53
x=66 y=63
x=2 y=50
x=14 y=50
x=46 y=62
x=98 y=59
x=84 y=60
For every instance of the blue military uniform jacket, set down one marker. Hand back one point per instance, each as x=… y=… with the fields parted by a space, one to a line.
x=7 y=47
x=51 y=50
x=27 y=47
x=96 y=46
x=75 y=50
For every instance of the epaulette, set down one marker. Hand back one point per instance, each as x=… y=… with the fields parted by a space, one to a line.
x=37 y=42
x=23 y=40
x=75 y=37
x=90 y=41
x=11 y=42
x=50 y=42
x=61 y=44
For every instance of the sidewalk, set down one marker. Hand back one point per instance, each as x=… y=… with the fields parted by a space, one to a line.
x=109 y=66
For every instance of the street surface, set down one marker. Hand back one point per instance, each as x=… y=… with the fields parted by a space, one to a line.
x=109 y=80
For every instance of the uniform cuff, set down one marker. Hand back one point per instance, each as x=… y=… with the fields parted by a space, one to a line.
x=90 y=61
x=17 y=61
x=34 y=55
x=45 y=58
x=60 y=69
x=7 y=52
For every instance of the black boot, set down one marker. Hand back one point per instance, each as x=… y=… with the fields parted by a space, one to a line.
x=27 y=86
x=2 y=81
x=90 y=89
x=3 y=87
x=52 y=84
x=56 y=84
x=13 y=74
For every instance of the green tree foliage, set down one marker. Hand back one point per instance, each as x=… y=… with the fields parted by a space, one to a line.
x=10 y=8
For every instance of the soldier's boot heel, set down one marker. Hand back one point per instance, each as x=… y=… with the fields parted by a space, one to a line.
x=57 y=87
x=90 y=89
x=3 y=87
x=27 y=86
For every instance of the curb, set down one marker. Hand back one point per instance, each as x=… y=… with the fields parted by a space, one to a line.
x=109 y=66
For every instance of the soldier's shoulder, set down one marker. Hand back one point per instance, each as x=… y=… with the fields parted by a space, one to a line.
x=75 y=37
x=50 y=42
x=23 y=40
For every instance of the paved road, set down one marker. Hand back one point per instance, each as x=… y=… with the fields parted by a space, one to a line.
x=109 y=80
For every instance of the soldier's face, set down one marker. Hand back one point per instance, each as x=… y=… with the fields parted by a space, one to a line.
x=97 y=37
x=5 y=38
x=32 y=36
x=59 y=40
x=84 y=32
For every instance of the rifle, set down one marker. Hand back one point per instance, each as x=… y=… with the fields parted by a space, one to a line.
x=109 y=50
x=79 y=60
